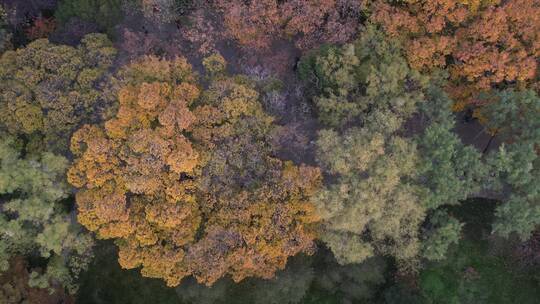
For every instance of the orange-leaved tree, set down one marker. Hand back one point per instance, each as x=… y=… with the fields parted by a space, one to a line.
x=153 y=179
x=483 y=43
x=257 y=23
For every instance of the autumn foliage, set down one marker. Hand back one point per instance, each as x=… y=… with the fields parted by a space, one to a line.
x=269 y=151
x=257 y=23
x=484 y=43
x=48 y=90
x=143 y=179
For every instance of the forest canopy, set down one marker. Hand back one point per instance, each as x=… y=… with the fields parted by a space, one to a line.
x=295 y=151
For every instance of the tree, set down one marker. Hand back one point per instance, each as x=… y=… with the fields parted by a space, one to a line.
x=187 y=184
x=515 y=167
x=512 y=115
x=15 y=288
x=47 y=90
x=289 y=286
x=369 y=76
x=371 y=208
x=444 y=231
x=473 y=274
x=449 y=170
x=243 y=180
x=306 y=279
x=144 y=152
x=34 y=220
x=257 y=23
x=21 y=12
x=165 y=11
x=483 y=43
x=388 y=181
x=105 y=282
x=350 y=283
x=160 y=10
x=106 y=13
x=214 y=65
x=5 y=35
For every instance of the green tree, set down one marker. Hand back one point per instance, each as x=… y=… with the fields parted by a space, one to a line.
x=15 y=288
x=372 y=207
x=106 y=13
x=355 y=283
x=471 y=274
x=449 y=170
x=357 y=79
x=513 y=115
x=289 y=286
x=444 y=230
x=34 y=220
x=215 y=65
x=105 y=282
x=47 y=90
x=515 y=167
x=306 y=279
x=386 y=178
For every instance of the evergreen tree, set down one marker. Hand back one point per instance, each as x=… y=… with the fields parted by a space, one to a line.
x=515 y=167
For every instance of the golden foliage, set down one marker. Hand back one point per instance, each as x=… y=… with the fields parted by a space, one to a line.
x=47 y=90
x=144 y=179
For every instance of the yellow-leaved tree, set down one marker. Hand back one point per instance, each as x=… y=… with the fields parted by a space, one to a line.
x=185 y=181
